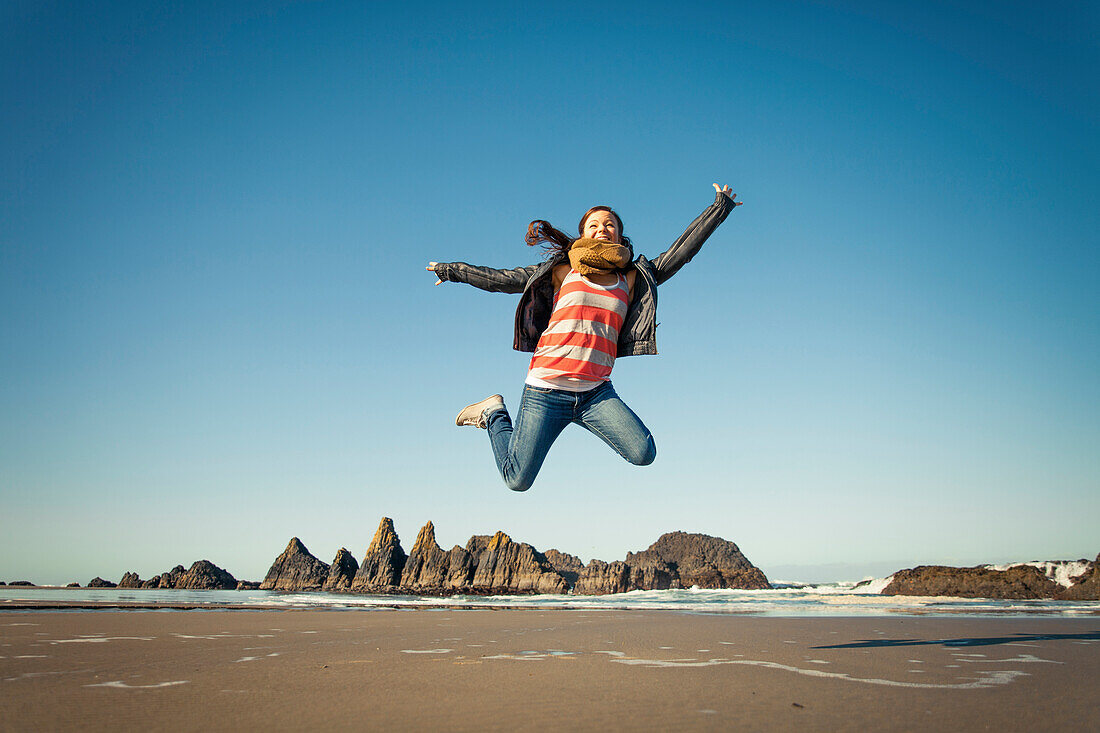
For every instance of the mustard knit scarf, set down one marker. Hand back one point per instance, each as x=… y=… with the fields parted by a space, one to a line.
x=595 y=256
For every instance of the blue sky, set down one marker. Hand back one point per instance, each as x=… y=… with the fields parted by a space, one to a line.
x=216 y=330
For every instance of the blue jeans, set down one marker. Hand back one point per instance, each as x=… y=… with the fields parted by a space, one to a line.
x=544 y=413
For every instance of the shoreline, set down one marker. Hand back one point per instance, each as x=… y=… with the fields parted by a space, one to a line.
x=542 y=668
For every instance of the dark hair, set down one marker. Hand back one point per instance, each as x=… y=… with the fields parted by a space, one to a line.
x=557 y=242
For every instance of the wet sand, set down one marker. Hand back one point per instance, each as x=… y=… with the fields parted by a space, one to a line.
x=543 y=670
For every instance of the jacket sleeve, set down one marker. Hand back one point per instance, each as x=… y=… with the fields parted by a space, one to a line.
x=669 y=262
x=486 y=278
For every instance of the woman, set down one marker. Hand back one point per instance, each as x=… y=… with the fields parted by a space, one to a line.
x=590 y=302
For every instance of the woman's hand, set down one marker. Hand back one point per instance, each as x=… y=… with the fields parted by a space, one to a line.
x=726 y=190
x=431 y=267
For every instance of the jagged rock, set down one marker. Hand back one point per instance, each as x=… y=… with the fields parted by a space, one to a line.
x=130 y=580
x=1086 y=587
x=205 y=575
x=507 y=566
x=568 y=566
x=295 y=569
x=342 y=571
x=1017 y=582
x=248 y=585
x=70 y=585
x=427 y=565
x=655 y=575
x=96 y=582
x=24 y=583
x=461 y=565
x=165 y=580
x=599 y=578
x=701 y=560
x=382 y=565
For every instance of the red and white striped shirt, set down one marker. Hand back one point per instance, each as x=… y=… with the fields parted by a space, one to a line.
x=578 y=347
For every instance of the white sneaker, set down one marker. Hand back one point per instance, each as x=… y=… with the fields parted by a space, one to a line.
x=475 y=414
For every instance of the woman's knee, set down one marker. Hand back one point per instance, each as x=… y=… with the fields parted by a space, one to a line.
x=644 y=454
x=518 y=485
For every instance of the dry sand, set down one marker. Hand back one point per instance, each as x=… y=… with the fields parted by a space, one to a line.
x=543 y=670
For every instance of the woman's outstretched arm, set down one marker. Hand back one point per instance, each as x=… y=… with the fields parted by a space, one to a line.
x=669 y=262
x=485 y=278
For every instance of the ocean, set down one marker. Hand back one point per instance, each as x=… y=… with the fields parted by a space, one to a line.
x=830 y=599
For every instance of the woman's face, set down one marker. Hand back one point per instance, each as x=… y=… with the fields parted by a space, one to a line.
x=602 y=225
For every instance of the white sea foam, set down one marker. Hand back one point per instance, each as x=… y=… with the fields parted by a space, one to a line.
x=122 y=685
x=985 y=679
x=427 y=651
x=1061 y=572
x=830 y=599
x=98 y=639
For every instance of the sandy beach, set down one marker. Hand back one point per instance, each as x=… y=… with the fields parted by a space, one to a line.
x=542 y=670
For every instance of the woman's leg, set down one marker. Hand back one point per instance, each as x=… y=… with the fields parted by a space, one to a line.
x=607 y=416
x=520 y=450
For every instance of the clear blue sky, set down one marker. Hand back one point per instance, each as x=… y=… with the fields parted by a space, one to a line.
x=216 y=330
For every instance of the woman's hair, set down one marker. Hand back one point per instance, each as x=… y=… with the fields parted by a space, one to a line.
x=557 y=242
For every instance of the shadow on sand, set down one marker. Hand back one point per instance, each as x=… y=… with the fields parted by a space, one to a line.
x=987 y=641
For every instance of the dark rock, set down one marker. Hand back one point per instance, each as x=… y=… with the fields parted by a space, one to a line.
x=295 y=569
x=342 y=571
x=461 y=566
x=381 y=568
x=165 y=580
x=568 y=566
x=248 y=585
x=70 y=585
x=1086 y=587
x=3 y=582
x=1018 y=582
x=98 y=582
x=599 y=578
x=507 y=566
x=700 y=560
x=655 y=575
x=205 y=575
x=130 y=580
x=25 y=583
x=427 y=565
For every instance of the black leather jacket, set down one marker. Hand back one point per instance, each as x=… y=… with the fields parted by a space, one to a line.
x=638 y=332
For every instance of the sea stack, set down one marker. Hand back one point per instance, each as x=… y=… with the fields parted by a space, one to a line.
x=381 y=568
x=342 y=571
x=295 y=569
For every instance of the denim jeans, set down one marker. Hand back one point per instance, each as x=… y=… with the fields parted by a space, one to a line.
x=544 y=413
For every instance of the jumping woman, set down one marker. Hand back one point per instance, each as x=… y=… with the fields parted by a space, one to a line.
x=590 y=301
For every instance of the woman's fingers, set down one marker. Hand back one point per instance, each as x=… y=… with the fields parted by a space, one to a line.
x=729 y=192
x=431 y=266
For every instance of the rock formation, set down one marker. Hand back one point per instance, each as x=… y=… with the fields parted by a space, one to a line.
x=699 y=560
x=205 y=575
x=295 y=569
x=498 y=565
x=130 y=580
x=248 y=585
x=1017 y=582
x=599 y=578
x=567 y=566
x=427 y=565
x=506 y=566
x=381 y=568
x=1086 y=587
x=165 y=580
x=70 y=585
x=23 y=583
x=342 y=571
x=96 y=582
